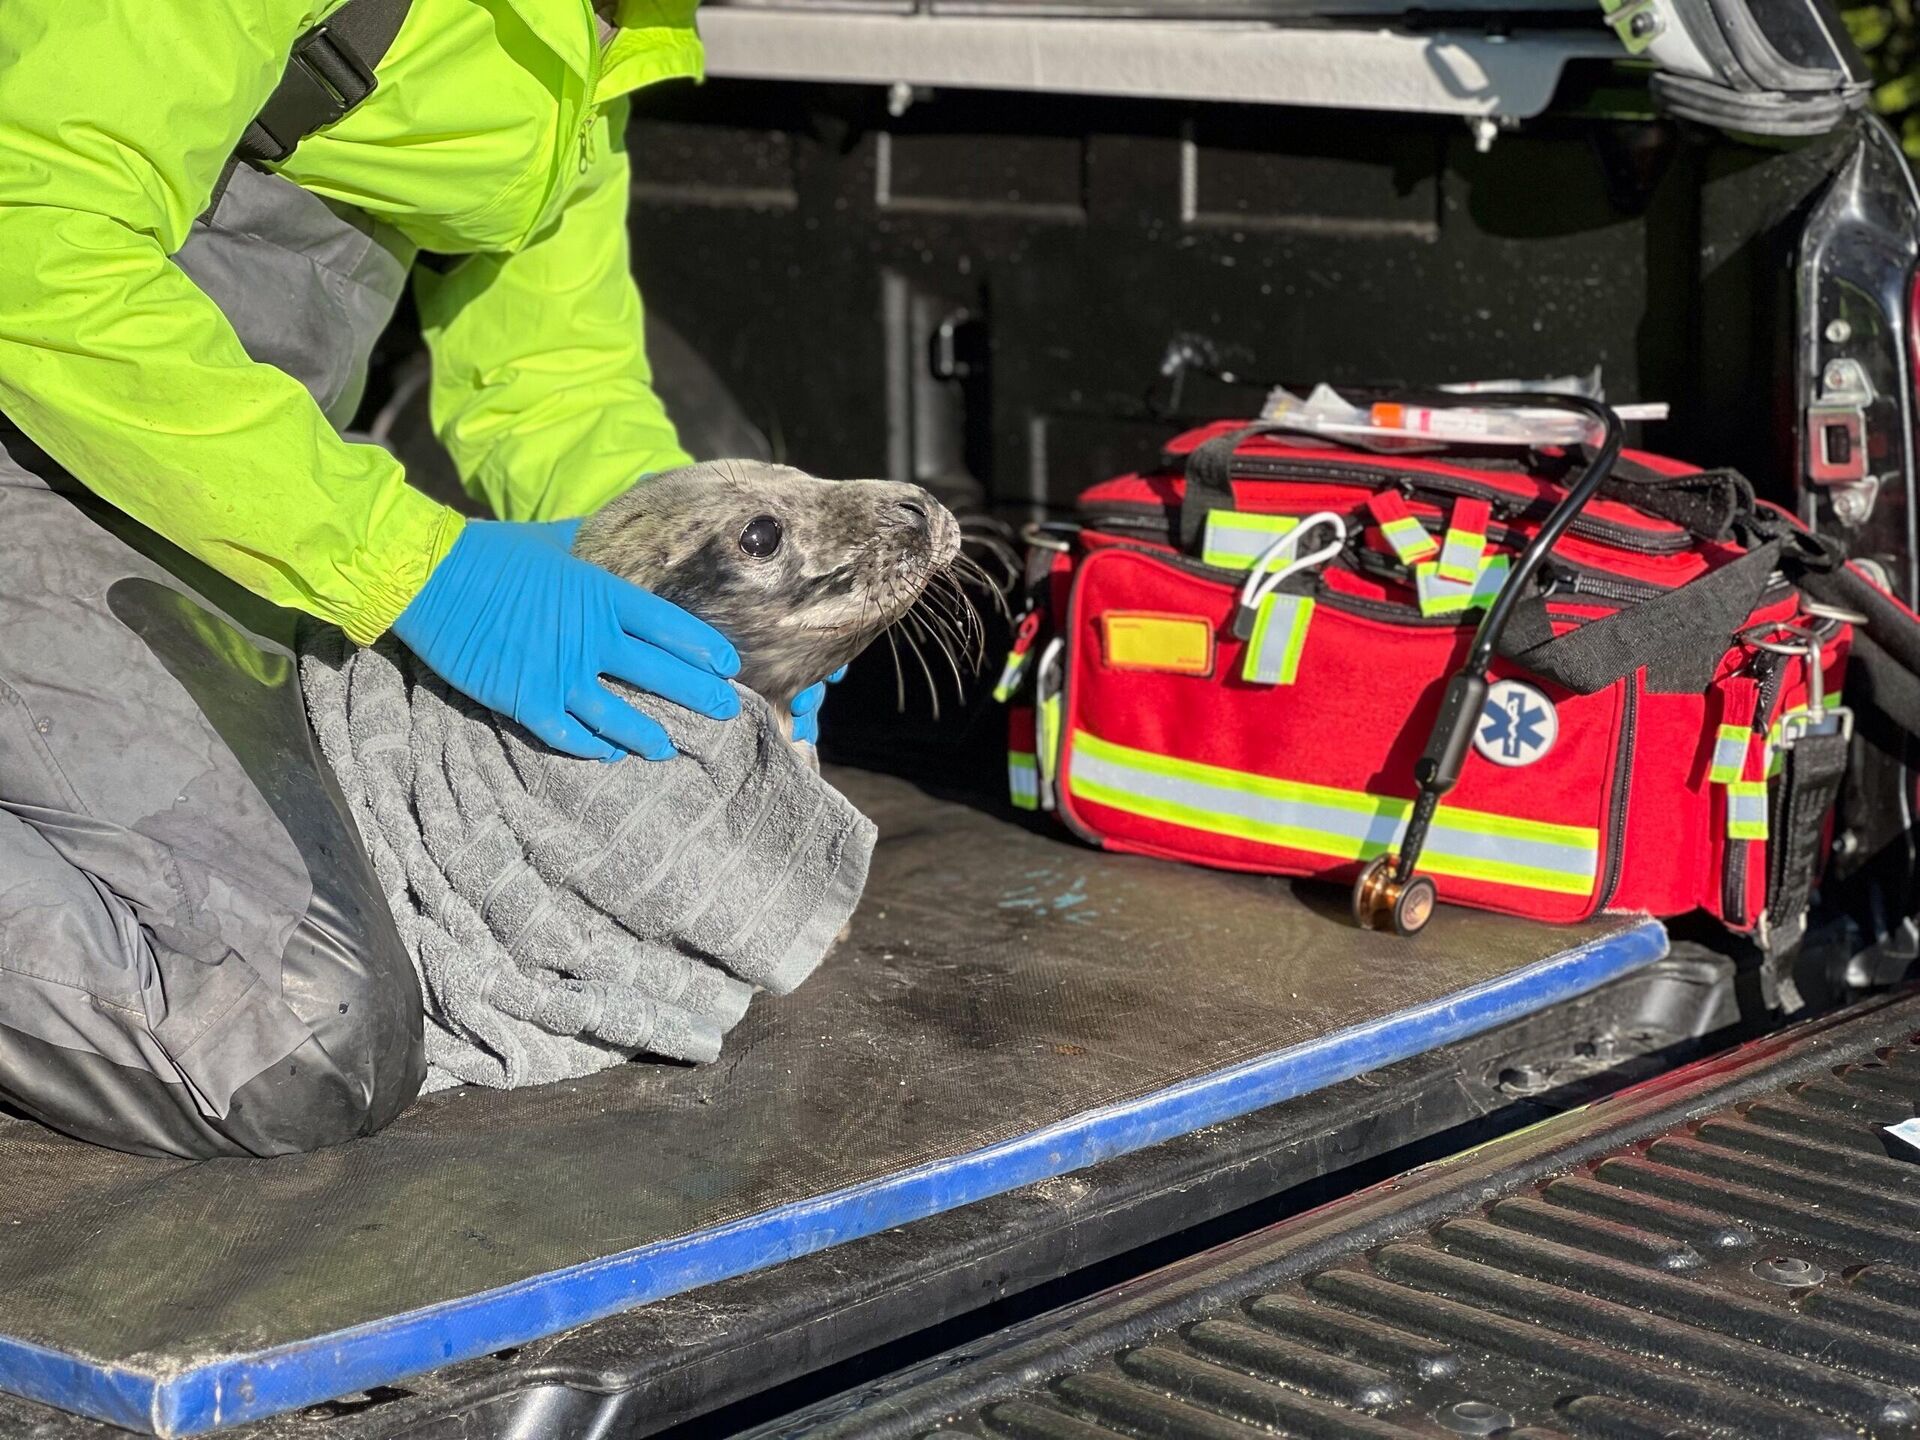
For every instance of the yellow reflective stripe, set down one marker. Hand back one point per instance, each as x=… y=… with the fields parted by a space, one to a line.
x=1730 y=753
x=1460 y=556
x=1409 y=539
x=1049 y=753
x=1747 y=810
x=1023 y=779
x=1438 y=596
x=1010 y=675
x=1234 y=539
x=1274 y=648
x=1322 y=820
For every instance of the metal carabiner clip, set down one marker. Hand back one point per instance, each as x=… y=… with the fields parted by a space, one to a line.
x=1282 y=559
x=1817 y=718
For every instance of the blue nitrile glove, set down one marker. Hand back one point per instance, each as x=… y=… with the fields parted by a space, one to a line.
x=806 y=707
x=512 y=620
x=558 y=533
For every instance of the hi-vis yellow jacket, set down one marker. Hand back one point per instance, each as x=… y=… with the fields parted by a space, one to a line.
x=496 y=132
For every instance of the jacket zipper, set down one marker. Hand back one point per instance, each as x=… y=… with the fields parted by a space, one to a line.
x=1626 y=537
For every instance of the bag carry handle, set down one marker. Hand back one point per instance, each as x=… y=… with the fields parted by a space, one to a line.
x=1706 y=503
x=1210 y=481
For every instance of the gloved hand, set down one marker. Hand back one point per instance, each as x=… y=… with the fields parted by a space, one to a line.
x=806 y=707
x=512 y=620
x=558 y=533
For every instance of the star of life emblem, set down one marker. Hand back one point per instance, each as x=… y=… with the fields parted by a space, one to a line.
x=1518 y=725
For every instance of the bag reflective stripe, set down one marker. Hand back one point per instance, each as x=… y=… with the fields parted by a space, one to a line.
x=1466 y=540
x=1279 y=636
x=1730 y=754
x=1747 y=810
x=1445 y=597
x=1023 y=780
x=1407 y=537
x=1234 y=539
x=1321 y=820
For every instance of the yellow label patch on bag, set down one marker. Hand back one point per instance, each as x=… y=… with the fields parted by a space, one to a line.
x=1141 y=640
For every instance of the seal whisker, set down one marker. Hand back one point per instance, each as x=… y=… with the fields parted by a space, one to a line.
x=970 y=569
x=962 y=617
x=933 y=690
x=899 y=672
x=994 y=538
x=945 y=646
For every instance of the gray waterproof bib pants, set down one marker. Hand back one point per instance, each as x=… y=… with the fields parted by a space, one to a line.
x=195 y=958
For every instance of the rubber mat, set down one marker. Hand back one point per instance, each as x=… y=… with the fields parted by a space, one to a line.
x=1008 y=1007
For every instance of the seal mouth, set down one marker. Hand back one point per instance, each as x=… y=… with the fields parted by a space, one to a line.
x=941 y=627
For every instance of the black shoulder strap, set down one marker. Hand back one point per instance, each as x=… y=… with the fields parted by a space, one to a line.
x=1210 y=482
x=1679 y=636
x=329 y=71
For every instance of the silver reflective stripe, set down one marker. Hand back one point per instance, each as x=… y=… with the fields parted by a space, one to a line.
x=1729 y=757
x=1234 y=541
x=1023 y=778
x=1747 y=810
x=1460 y=555
x=1370 y=831
x=1279 y=635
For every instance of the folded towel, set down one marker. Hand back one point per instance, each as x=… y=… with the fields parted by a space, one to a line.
x=565 y=915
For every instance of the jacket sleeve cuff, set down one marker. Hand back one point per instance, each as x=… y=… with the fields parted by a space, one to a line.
x=395 y=576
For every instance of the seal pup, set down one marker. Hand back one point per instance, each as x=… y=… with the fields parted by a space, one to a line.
x=800 y=573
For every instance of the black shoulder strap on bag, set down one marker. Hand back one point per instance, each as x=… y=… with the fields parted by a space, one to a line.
x=329 y=71
x=1810 y=775
x=1210 y=482
x=1679 y=636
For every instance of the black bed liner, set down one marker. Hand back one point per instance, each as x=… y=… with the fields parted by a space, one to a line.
x=1733 y=1249
x=738 y=1346
x=318 y=1233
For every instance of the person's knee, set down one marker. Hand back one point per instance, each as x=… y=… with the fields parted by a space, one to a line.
x=364 y=1062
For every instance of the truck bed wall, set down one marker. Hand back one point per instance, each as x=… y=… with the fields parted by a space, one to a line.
x=808 y=245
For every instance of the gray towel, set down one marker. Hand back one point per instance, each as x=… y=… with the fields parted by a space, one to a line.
x=565 y=914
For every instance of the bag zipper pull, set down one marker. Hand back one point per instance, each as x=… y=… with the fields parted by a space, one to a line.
x=1278 y=562
x=1403 y=532
x=1018 y=656
x=1466 y=540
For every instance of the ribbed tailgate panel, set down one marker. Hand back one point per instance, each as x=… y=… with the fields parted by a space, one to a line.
x=1753 y=1271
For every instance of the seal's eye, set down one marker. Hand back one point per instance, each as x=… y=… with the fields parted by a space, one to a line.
x=761 y=537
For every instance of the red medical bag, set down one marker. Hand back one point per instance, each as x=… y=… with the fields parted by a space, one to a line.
x=1663 y=732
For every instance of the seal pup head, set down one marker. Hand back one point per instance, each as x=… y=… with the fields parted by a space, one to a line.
x=800 y=573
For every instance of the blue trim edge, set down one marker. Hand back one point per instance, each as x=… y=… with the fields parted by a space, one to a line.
x=239 y=1388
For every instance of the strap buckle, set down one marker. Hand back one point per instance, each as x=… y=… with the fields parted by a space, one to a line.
x=324 y=80
x=1819 y=718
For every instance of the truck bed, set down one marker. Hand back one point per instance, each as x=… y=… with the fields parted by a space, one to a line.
x=1010 y=1008
x=1733 y=1249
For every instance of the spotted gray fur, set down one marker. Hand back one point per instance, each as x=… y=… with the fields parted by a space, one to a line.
x=854 y=556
